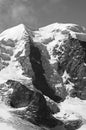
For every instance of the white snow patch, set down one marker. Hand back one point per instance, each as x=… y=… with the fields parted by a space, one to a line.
x=83 y=127
x=5 y=126
x=65 y=76
x=81 y=36
x=69 y=86
x=14 y=72
x=72 y=109
x=4 y=112
x=50 y=47
x=59 y=40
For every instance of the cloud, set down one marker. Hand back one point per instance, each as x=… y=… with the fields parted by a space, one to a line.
x=55 y=1
x=24 y=12
x=13 y=12
x=52 y=5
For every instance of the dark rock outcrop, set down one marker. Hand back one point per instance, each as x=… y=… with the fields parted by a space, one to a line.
x=36 y=109
x=39 y=80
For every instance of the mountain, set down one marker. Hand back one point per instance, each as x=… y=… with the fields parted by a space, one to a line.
x=43 y=78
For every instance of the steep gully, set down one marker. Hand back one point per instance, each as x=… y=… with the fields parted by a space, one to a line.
x=39 y=80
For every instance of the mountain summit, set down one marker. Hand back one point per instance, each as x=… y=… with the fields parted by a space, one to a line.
x=43 y=77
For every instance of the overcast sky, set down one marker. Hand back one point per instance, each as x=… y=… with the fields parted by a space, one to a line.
x=37 y=13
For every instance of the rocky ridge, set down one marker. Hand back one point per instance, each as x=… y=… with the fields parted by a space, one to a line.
x=42 y=76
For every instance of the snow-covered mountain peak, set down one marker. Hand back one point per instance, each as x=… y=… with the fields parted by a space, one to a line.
x=13 y=44
x=63 y=26
x=14 y=33
x=50 y=31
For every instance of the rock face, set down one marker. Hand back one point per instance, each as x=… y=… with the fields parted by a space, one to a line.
x=43 y=78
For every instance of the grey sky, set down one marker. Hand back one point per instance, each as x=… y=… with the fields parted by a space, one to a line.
x=37 y=13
